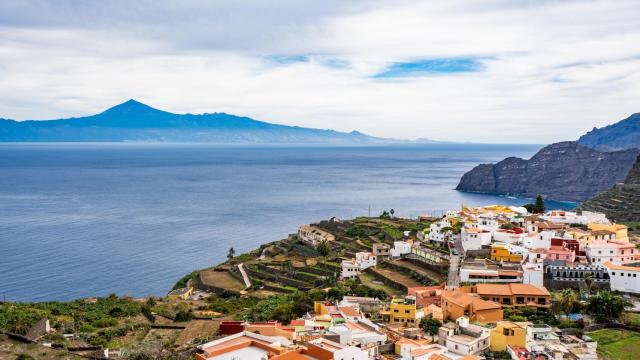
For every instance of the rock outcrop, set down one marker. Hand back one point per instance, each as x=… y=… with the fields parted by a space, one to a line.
x=565 y=171
x=624 y=134
x=622 y=201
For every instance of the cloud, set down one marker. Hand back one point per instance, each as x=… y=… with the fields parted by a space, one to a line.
x=497 y=71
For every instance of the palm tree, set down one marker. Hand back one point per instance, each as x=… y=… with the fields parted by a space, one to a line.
x=588 y=282
x=323 y=248
x=567 y=300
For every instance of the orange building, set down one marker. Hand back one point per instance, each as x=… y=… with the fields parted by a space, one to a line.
x=514 y=294
x=457 y=303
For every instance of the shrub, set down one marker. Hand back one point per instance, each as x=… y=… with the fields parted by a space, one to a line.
x=182 y=316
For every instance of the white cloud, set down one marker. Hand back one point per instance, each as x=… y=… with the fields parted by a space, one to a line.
x=550 y=70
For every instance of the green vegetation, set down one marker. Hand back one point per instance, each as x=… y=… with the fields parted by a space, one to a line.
x=430 y=326
x=358 y=231
x=18 y=318
x=393 y=233
x=632 y=225
x=536 y=208
x=614 y=344
x=632 y=319
x=97 y=323
x=607 y=306
x=531 y=314
x=193 y=276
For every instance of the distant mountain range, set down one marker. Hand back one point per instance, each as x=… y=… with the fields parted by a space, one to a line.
x=134 y=121
x=624 y=134
x=567 y=171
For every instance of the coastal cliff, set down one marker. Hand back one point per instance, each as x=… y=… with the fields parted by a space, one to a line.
x=622 y=201
x=565 y=171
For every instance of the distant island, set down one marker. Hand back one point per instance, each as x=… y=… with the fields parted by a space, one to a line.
x=135 y=121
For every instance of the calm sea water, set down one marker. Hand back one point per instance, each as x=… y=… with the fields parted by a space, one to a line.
x=82 y=220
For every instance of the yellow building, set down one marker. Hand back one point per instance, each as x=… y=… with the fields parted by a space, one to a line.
x=405 y=311
x=619 y=229
x=180 y=294
x=505 y=252
x=507 y=333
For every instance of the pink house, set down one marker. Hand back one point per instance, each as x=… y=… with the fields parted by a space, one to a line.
x=561 y=253
x=601 y=251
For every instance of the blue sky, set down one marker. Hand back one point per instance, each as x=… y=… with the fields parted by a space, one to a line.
x=491 y=71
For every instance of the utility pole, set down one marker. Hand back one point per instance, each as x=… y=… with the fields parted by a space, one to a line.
x=369 y=210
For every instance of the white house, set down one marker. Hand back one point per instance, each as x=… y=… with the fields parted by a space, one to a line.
x=350 y=269
x=340 y=351
x=595 y=217
x=359 y=332
x=420 y=350
x=437 y=234
x=624 y=278
x=564 y=217
x=464 y=339
x=533 y=268
x=488 y=222
x=539 y=240
x=474 y=237
x=509 y=236
x=313 y=235
x=488 y=274
x=401 y=248
x=365 y=260
x=258 y=346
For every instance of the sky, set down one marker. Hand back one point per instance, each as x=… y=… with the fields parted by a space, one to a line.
x=491 y=71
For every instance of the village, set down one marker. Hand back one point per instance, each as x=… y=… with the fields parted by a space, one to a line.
x=492 y=282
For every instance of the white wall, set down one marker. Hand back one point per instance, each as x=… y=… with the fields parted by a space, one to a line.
x=621 y=281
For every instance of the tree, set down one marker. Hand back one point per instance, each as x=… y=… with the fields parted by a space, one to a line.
x=392 y=212
x=231 y=254
x=607 y=305
x=588 y=282
x=385 y=215
x=430 y=326
x=538 y=206
x=151 y=302
x=567 y=301
x=323 y=248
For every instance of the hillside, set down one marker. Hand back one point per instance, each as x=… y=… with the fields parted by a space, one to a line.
x=624 y=134
x=565 y=171
x=134 y=121
x=622 y=201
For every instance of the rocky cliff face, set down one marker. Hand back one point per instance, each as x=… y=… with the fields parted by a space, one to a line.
x=624 y=134
x=622 y=201
x=566 y=171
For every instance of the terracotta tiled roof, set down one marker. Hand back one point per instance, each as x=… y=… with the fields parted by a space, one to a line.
x=611 y=266
x=349 y=311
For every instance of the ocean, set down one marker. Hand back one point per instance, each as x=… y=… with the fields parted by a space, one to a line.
x=79 y=220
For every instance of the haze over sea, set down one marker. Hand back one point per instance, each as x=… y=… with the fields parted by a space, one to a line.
x=79 y=220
